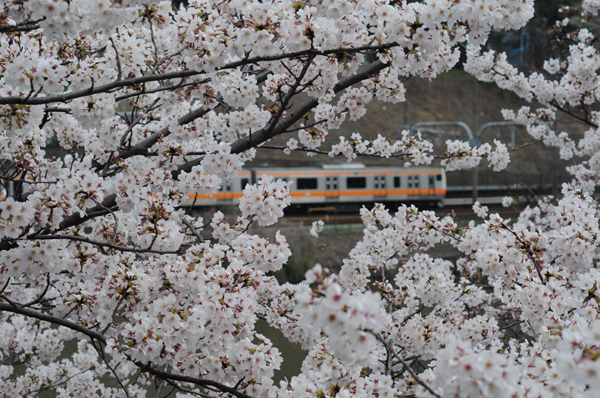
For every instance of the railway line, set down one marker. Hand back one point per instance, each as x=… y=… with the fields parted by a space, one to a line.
x=463 y=213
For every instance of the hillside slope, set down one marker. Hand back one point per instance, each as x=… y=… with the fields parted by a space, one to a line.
x=451 y=97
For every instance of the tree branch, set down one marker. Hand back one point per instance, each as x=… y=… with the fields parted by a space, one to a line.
x=289 y=95
x=245 y=143
x=25 y=26
x=186 y=379
x=17 y=309
x=141 y=147
x=182 y=74
x=100 y=244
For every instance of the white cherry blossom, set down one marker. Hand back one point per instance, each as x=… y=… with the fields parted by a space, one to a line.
x=110 y=286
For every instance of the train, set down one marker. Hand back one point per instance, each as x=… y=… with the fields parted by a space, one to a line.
x=326 y=187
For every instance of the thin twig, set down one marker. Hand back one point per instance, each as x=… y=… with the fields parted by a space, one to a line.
x=160 y=89
x=113 y=371
x=406 y=365
x=41 y=296
x=191 y=227
x=512 y=324
x=119 y=70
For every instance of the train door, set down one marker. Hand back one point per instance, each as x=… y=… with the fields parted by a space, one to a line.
x=431 y=190
x=225 y=192
x=414 y=188
x=380 y=186
x=331 y=187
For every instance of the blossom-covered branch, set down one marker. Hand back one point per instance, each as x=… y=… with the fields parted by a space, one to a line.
x=152 y=106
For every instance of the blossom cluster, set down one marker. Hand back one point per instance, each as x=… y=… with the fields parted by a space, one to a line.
x=110 y=288
x=349 y=320
x=266 y=200
x=409 y=147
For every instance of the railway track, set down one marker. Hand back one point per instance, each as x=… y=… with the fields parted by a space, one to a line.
x=463 y=213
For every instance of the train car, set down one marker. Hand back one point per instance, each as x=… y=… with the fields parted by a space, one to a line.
x=339 y=185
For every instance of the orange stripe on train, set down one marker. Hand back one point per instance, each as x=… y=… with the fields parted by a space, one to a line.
x=362 y=192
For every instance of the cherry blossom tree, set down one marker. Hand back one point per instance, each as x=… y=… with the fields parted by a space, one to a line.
x=97 y=254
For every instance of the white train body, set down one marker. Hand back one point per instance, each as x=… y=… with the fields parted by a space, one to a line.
x=341 y=183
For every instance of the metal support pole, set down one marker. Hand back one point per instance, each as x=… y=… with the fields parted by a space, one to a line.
x=462 y=125
x=513 y=141
x=406 y=125
x=522 y=49
x=476 y=141
x=555 y=161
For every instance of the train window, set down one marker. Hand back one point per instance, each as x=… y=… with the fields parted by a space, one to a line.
x=410 y=178
x=306 y=183
x=439 y=177
x=397 y=182
x=245 y=182
x=356 y=182
x=416 y=180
